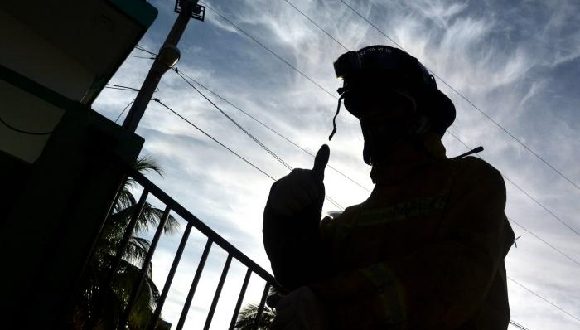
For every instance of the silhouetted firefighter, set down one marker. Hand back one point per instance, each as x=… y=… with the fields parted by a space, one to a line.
x=426 y=250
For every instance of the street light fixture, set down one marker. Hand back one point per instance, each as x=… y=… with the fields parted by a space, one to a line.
x=169 y=56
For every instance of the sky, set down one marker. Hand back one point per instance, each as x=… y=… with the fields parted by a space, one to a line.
x=518 y=62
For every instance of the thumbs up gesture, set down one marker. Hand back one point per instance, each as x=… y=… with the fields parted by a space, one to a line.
x=302 y=189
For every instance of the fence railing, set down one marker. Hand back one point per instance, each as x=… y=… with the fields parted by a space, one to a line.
x=212 y=238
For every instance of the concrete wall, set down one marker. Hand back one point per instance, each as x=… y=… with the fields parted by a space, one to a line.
x=27 y=52
x=27 y=112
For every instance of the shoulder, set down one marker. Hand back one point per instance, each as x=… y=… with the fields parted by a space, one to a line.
x=475 y=177
x=476 y=170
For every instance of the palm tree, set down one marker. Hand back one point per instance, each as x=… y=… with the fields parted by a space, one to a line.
x=102 y=299
x=248 y=314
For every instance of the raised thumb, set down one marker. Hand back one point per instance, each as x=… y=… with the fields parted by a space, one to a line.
x=320 y=162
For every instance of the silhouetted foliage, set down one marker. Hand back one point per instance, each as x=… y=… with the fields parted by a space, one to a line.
x=247 y=317
x=99 y=305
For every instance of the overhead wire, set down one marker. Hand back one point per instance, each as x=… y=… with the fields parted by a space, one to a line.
x=128 y=88
x=543 y=298
x=329 y=199
x=268 y=49
x=115 y=88
x=517 y=325
x=143 y=49
x=511 y=219
x=213 y=138
x=483 y=113
x=123 y=87
x=245 y=131
x=315 y=24
x=284 y=137
x=295 y=144
x=123 y=111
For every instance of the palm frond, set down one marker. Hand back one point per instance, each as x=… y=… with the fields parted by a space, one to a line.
x=248 y=314
x=136 y=251
x=100 y=302
x=145 y=164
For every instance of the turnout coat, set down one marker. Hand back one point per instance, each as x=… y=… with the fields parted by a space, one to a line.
x=425 y=251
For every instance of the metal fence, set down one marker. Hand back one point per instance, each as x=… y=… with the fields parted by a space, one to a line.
x=212 y=238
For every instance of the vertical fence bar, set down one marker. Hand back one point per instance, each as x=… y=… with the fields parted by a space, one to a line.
x=261 y=306
x=153 y=321
x=144 y=268
x=194 y=283
x=240 y=299
x=218 y=291
x=127 y=235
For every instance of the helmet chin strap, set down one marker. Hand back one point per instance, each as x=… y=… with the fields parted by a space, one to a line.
x=336 y=115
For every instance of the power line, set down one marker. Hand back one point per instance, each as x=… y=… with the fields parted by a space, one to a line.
x=250 y=135
x=488 y=117
x=542 y=206
x=214 y=139
x=256 y=140
x=124 y=109
x=272 y=52
x=543 y=298
x=122 y=87
x=271 y=129
x=515 y=222
x=141 y=48
x=517 y=325
x=263 y=124
x=315 y=24
x=371 y=24
x=550 y=212
x=115 y=88
x=544 y=241
x=329 y=199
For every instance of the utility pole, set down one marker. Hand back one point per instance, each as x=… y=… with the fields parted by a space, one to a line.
x=165 y=60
